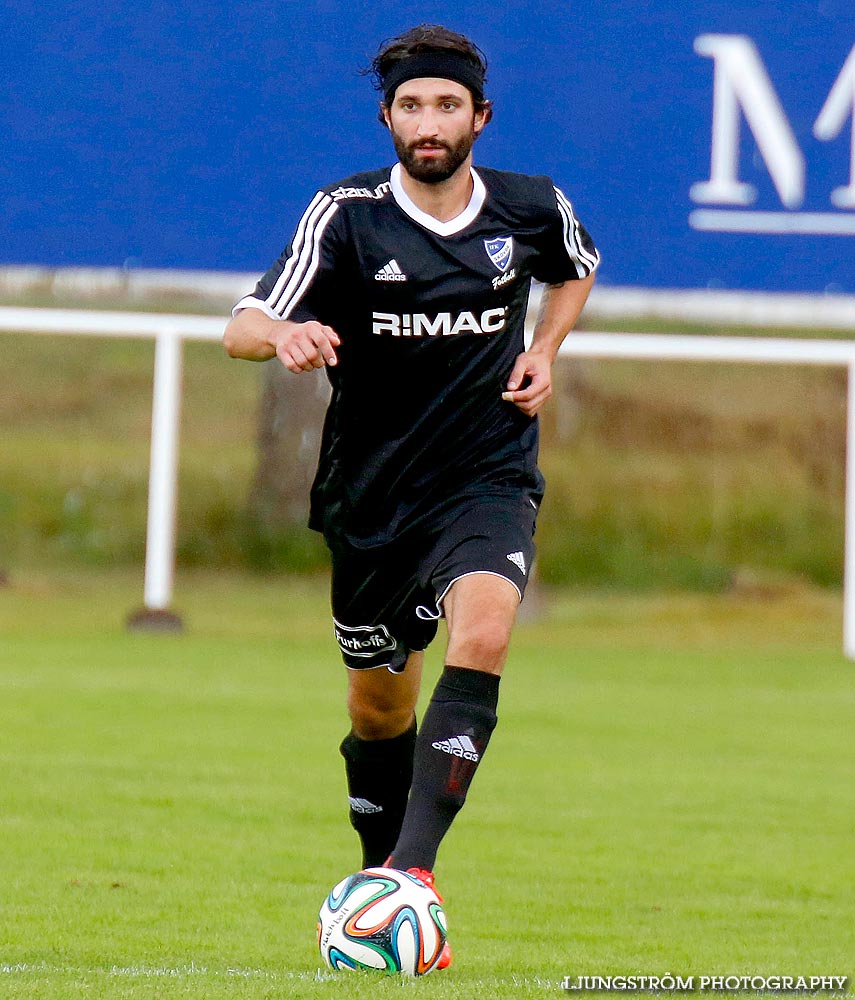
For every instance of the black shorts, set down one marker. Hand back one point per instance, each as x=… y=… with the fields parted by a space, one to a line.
x=386 y=602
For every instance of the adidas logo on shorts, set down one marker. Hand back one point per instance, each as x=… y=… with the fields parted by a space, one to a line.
x=458 y=746
x=363 y=806
x=390 y=272
x=518 y=559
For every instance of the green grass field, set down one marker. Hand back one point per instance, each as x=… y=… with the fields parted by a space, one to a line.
x=670 y=790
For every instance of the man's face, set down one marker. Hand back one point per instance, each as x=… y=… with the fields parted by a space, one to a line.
x=433 y=124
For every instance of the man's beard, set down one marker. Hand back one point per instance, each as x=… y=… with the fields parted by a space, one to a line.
x=433 y=169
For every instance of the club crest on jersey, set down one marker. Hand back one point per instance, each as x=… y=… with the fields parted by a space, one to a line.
x=500 y=251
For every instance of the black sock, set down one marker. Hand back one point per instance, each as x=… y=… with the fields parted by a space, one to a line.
x=379 y=773
x=454 y=734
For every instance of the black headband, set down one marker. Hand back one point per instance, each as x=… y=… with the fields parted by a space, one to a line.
x=446 y=65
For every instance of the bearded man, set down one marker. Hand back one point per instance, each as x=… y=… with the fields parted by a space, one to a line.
x=409 y=285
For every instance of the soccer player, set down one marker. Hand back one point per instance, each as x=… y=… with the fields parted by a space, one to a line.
x=409 y=285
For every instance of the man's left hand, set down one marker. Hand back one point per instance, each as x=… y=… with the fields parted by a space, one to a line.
x=530 y=382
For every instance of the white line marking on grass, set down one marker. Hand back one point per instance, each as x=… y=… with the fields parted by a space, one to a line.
x=163 y=972
x=479 y=987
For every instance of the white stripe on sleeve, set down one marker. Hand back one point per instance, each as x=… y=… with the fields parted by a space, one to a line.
x=307 y=268
x=584 y=260
x=296 y=245
x=301 y=253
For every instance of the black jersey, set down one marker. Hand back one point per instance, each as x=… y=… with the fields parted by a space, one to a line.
x=431 y=318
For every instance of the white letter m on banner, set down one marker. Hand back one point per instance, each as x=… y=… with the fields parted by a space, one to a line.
x=741 y=82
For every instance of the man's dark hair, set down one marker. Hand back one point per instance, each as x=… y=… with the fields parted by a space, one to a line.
x=429 y=38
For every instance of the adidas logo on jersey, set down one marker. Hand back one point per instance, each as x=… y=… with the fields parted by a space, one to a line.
x=518 y=559
x=363 y=806
x=390 y=272
x=458 y=746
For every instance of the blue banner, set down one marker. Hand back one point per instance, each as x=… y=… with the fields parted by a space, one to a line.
x=704 y=144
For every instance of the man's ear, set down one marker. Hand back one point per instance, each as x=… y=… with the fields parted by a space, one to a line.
x=482 y=116
x=383 y=117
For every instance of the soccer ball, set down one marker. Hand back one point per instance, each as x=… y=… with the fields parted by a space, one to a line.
x=382 y=918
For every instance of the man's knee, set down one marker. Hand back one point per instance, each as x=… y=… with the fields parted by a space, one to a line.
x=480 y=643
x=480 y=610
x=382 y=705
x=376 y=720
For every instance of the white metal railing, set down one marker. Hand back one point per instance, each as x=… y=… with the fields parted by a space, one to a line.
x=170 y=331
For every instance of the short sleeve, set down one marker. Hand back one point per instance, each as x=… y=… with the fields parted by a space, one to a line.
x=295 y=281
x=567 y=251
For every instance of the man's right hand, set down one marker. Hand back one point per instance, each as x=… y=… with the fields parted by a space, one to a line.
x=301 y=347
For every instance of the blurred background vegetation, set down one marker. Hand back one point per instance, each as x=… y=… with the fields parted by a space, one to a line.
x=661 y=475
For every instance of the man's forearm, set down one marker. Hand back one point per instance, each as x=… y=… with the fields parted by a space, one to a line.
x=560 y=307
x=248 y=336
x=252 y=335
